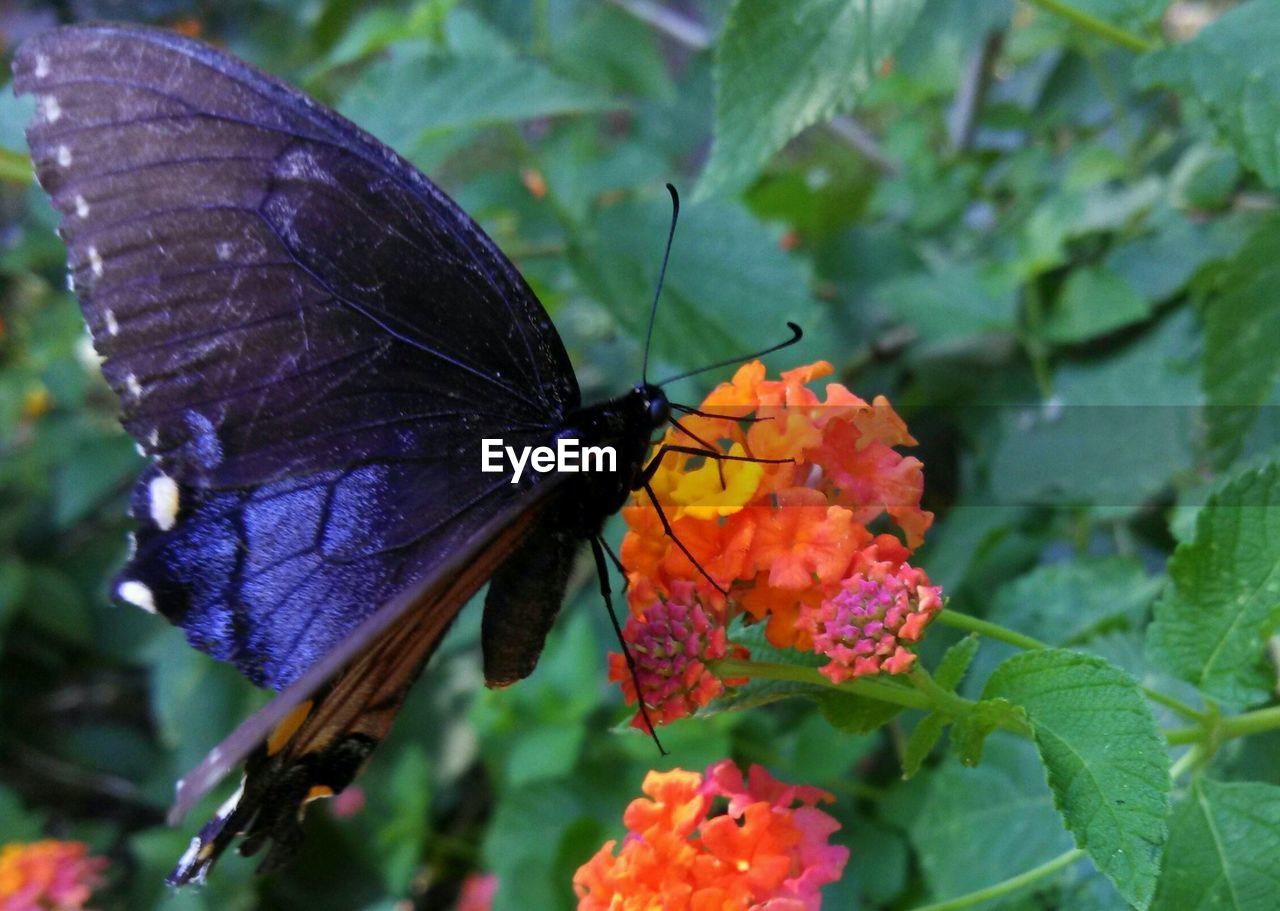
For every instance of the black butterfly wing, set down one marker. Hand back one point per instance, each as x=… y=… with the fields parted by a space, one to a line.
x=307 y=336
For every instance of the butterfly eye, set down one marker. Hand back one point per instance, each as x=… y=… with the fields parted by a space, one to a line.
x=659 y=410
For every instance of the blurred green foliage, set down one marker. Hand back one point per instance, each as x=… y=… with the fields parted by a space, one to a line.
x=1051 y=247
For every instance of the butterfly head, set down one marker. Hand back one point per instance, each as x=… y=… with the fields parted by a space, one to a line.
x=656 y=405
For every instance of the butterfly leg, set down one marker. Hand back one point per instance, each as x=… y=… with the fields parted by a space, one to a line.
x=617 y=563
x=701 y=442
x=598 y=548
x=666 y=527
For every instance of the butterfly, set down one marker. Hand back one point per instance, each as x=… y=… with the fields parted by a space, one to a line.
x=310 y=343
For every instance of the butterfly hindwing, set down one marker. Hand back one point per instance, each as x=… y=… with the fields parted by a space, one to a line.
x=307 y=337
x=319 y=740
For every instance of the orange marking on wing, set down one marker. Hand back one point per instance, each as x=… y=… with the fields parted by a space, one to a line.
x=288 y=727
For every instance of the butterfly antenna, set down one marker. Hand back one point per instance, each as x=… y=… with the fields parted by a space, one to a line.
x=666 y=254
x=796 y=334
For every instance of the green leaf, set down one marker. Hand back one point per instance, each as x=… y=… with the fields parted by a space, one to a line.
x=90 y=475
x=1160 y=264
x=377 y=28
x=924 y=737
x=16 y=822
x=854 y=714
x=1106 y=761
x=978 y=826
x=953 y=302
x=729 y=284
x=547 y=752
x=1094 y=302
x=955 y=662
x=13 y=582
x=1073 y=213
x=51 y=601
x=609 y=48
x=1223 y=842
x=412 y=96
x=404 y=820
x=781 y=67
x=970 y=732
x=1242 y=323
x=1115 y=431
x=1066 y=603
x=1211 y=624
x=520 y=844
x=1232 y=69
x=1134 y=13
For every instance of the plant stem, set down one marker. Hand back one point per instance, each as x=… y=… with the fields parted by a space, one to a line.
x=1005 y=887
x=1250 y=723
x=1221 y=730
x=1090 y=23
x=1187 y=760
x=1176 y=705
x=945 y=700
x=986 y=628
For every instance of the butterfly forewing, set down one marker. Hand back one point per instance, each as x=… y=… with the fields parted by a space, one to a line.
x=306 y=335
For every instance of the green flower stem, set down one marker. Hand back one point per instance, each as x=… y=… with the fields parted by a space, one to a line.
x=1176 y=705
x=949 y=617
x=1249 y=723
x=1187 y=760
x=1215 y=730
x=945 y=700
x=871 y=689
x=1000 y=633
x=1094 y=25
x=1008 y=886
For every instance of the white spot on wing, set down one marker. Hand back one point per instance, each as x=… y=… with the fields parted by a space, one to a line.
x=112 y=326
x=86 y=354
x=164 y=501
x=82 y=206
x=42 y=66
x=64 y=157
x=189 y=856
x=153 y=438
x=224 y=249
x=138 y=595
x=52 y=110
x=131 y=383
x=95 y=261
x=229 y=805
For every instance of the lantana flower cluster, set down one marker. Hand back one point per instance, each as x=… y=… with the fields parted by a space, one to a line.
x=787 y=534
x=48 y=875
x=769 y=850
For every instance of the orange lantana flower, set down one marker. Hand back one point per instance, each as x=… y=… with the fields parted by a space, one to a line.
x=787 y=537
x=48 y=875
x=762 y=853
